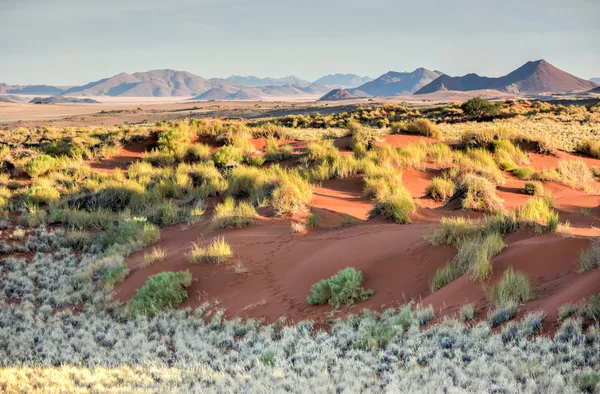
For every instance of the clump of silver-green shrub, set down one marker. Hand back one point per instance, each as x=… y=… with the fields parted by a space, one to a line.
x=58 y=329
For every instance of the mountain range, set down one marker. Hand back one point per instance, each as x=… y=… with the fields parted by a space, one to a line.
x=597 y=80
x=532 y=78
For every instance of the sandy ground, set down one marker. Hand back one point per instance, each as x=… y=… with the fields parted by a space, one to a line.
x=273 y=269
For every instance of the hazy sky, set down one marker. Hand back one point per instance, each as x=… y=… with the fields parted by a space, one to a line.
x=77 y=41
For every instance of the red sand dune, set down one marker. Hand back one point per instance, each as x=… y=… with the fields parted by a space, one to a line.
x=395 y=260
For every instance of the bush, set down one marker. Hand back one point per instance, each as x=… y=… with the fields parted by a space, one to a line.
x=479 y=108
x=589 y=381
x=420 y=126
x=293 y=194
x=398 y=207
x=513 y=288
x=276 y=152
x=40 y=165
x=228 y=156
x=155 y=256
x=523 y=173
x=441 y=188
x=479 y=194
x=590 y=258
x=443 y=276
x=43 y=195
x=134 y=230
x=174 y=140
x=502 y=315
x=534 y=188
x=199 y=152
x=227 y=214
x=377 y=336
x=161 y=292
x=115 y=275
x=343 y=288
x=592 y=309
x=454 y=231
x=475 y=255
x=255 y=161
x=216 y=252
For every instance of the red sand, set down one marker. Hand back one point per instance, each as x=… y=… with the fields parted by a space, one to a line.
x=395 y=260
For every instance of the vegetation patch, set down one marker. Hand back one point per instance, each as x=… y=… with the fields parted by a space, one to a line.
x=343 y=288
x=217 y=252
x=163 y=291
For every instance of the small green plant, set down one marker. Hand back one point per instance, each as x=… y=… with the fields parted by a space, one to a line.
x=267 y=358
x=467 y=312
x=569 y=310
x=228 y=156
x=424 y=315
x=443 y=276
x=587 y=213
x=163 y=291
x=343 y=288
x=115 y=275
x=377 y=336
x=479 y=194
x=43 y=195
x=255 y=161
x=534 y=188
x=513 y=288
x=592 y=309
x=589 y=381
x=313 y=220
x=346 y=221
x=216 y=252
x=40 y=165
x=523 y=173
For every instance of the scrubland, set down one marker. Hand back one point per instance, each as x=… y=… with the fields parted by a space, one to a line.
x=388 y=249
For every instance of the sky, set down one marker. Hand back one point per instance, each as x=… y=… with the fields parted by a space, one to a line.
x=72 y=42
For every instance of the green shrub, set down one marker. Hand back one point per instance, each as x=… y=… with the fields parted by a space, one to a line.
x=589 y=381
x=523 y=173
x=377 y=336
x=343 y=288
x=227 y=214
x=136 y=230
x=534 y=188
x=43 y=195
x=475 y=255
x=592 y=309
x=174 y=140
x=479 y=108
x=313 y=220
x=569 y=310
x=228 y=156
x=163 y=291
x=115 y=275
x=34 y=216
x=216 y=252
x=255 y=161
x=513 y=288
x=443 y=276
x=398 y=207
x=94 y=220
x=441 y=188
x=346 y=221
x=420 y=126
x=40 y=165
x=454 y=231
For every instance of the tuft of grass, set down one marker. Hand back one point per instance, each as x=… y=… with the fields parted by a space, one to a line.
x=163 y=291
x=228 y=214
x=420 y=126
x=297 y=227
x=589 y=381
x=228 y=156
x=155 y=256
x=590 y=258
x=479 y=194
x=216 y=252
x=343 y=288
x=346 y=221
x=115 y=275
x=570 y=310
x=45 y=194
x=475 y=255
x=293 y=194
x=538 y=213
x=276 y=152
x=534 y=188
x=424 y=315
x=587 y=213
x=443 y=276
x=523 y=173
x=589 y=147
x=41 y=165
x=377 y=336
x=441 y=188
x=454 y=231
x=592 y=309
x=513 y=288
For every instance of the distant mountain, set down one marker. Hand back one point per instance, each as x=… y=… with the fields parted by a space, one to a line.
x=597 y=80
x=11 y=98
x=595 y=90
x=531 y=78
x=343 y=80
x=398 y=83
x=156 y=83
x=62 y=100
x=257 y=93
x=30 y=89
x=343 y=94
x=255 y=81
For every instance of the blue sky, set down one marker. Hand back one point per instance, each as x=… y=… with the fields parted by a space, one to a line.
x=74 y=41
